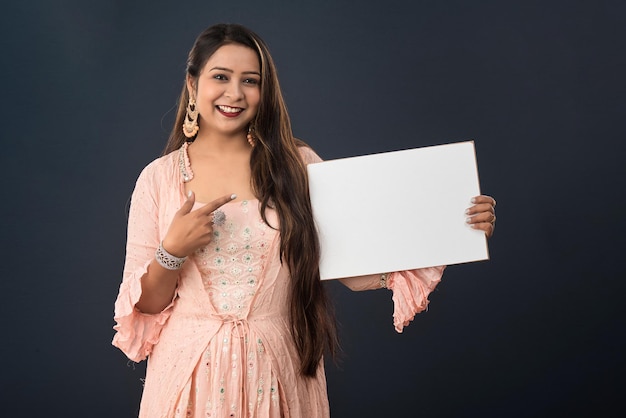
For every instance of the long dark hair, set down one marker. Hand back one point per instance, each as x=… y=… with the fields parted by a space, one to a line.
x=279 y=181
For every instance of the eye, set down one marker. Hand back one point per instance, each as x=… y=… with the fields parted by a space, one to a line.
x=220 y=77
x=252 y=81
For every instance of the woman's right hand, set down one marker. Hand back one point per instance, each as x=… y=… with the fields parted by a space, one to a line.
x=192 y=230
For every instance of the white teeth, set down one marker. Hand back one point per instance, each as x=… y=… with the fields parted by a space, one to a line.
x=228 y=109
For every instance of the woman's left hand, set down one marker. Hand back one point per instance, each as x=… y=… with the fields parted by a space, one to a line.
x=482 y=215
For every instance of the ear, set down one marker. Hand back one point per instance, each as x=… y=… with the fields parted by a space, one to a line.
x=191 y=86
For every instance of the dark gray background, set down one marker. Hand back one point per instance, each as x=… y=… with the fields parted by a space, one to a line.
x=88 y=89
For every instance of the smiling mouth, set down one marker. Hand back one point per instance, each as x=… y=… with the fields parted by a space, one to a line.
x=229 y=111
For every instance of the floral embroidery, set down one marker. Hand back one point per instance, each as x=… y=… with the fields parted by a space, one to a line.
x=223 y=261
x=260 y=391
x=231 y=270
x=274 y=391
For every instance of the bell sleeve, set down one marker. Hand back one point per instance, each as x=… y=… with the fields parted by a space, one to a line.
x=410 y=290
x=137 y=332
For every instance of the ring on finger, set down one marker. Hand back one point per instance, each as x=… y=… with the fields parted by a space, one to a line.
x=218 y=218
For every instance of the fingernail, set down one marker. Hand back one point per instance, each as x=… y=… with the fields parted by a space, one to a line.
x=189 y=193
x=473 y=200
x=468 y=220
x=467 y=211
x=233 y=196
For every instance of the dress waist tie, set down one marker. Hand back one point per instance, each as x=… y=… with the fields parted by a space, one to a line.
x=239 y=331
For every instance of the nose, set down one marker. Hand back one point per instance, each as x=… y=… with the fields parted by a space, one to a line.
x=233 y=90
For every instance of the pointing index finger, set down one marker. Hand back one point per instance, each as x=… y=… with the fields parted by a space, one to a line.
x=215 y=204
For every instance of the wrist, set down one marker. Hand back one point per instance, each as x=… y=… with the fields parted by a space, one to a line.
x=168 y=260
x=173 y=249
x=383 y=280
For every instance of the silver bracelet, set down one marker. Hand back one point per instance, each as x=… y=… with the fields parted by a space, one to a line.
x=383 y=281
x=167 y=260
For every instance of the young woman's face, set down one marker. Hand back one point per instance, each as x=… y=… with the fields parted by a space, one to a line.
x=228 y=90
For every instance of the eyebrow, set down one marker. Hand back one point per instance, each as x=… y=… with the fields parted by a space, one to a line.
x=231 y=71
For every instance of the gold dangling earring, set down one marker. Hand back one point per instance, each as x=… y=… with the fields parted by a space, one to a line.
x=250 y=136
x=190 y=125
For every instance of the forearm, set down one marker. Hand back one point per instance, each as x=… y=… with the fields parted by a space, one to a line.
x=360 y=283
x=157 y=288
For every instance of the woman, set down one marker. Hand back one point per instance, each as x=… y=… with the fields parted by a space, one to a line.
x=221 y=283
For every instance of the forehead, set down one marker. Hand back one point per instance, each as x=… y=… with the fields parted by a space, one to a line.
x=236 y=57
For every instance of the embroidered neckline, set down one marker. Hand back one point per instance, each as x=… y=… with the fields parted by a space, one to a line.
x=184 y=164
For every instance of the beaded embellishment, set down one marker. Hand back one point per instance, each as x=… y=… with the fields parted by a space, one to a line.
x=183 y=163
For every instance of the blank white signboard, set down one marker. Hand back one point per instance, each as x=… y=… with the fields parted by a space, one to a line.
x=396 y=211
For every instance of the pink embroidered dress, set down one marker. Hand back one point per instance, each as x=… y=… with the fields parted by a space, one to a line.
x=222 y=348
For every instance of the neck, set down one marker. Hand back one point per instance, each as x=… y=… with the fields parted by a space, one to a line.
x=221 y=144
